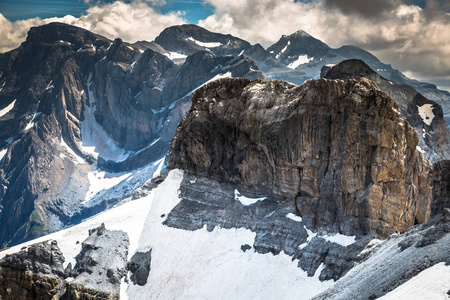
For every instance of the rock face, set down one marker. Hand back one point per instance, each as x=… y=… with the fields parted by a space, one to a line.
x=425 y=116
x=44 y=258
x=441 y=187
x=338 y=149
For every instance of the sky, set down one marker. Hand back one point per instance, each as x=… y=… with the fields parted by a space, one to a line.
x=412 y=35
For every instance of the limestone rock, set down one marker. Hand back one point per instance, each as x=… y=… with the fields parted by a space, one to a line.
x=101 y=264
x=441 y=187
x=424 y=115
x=339 y=149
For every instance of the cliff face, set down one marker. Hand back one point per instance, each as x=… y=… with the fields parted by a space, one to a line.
x=441 y=187
x=424 y=115
x=338 y=149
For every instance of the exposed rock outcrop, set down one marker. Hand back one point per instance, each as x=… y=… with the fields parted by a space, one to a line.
x=102 y=261
x=441 y=187
x=37 y=272
x=139 y=266
x=338 y=149
x=425 y=116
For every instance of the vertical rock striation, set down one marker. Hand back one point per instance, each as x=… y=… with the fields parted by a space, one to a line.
x=338 y=149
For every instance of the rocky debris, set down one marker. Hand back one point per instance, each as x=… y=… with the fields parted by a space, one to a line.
x=338 y=149
x=395 y=261
x=102 y=261
x=37 y=271
x=139 y=266
x=44 y=258
x=206 y=202
x=430 y=126
x=441 y=187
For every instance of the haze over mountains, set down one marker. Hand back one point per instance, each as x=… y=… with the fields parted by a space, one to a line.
x=312 y=172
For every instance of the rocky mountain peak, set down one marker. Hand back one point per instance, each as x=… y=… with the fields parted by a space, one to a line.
x=54 y=32
x=189 y=39
x=298 y=43
x=300 y=33
x=351 y=68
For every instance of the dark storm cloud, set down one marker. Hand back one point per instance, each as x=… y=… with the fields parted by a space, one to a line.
x=366 y=8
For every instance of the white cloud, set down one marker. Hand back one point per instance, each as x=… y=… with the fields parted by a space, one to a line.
x=129 y=21
x=407 y=36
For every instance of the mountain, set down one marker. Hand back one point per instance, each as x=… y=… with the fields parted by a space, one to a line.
x=269 y=186
x=86 y=121
x=337 y=150
x=188 y=39
x=425 y=116
x=294 y=58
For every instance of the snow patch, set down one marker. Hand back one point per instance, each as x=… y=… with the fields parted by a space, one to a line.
x=76 y=159
x=420 y=149
x=176 y=57
x=99 y=180
x=431 y=283
x=426 y=113
x=246 y=200
x=302 y=59
x=294 y=217
x=283 y=50
x=340 y=239
x=218 y=76
x=311 y=235
x=203 y=44
x=7 y=109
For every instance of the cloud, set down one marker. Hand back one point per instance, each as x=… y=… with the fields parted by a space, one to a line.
x=407 y=36
x=366 y=8
x=130 y=21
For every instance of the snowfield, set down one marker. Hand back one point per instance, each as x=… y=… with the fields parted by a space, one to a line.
x=431 y=284
x=246 y=200
x=203 y=44
x=302 y=59
x=191 y=264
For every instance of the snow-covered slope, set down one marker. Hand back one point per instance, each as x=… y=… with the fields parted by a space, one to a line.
x=190 y=264
x=215 y=264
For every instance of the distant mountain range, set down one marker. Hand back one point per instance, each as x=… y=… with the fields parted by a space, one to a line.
x=316 y=174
